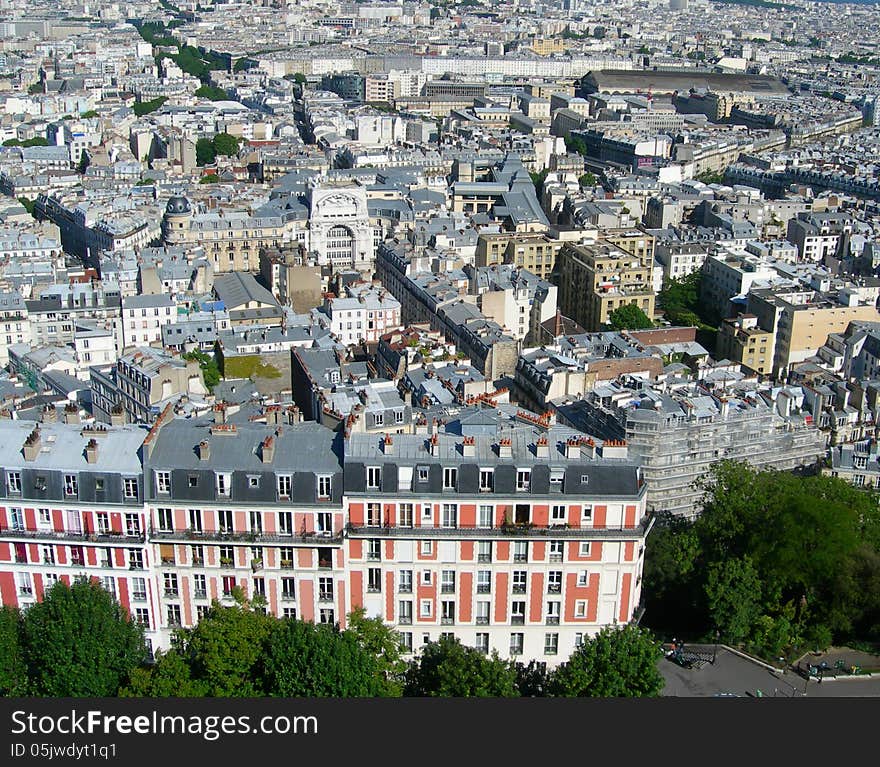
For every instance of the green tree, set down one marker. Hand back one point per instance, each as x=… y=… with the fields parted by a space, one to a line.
x=210 y=178
x=168 y=677
x=88 y=114
x=733 y=591
x=205 y=152
x=587 y=180
x=449 y=669
x=380 y=641
x=79 y=641
x=532 y=679
x=208 y=365
x=619 y=662
x=226 y=145
x=28 y=204
x=629 y=317
x=211 y=93
x=223 y=651
x=319 y=661
x=13 y=670
x=538 y=180
x=142 y=108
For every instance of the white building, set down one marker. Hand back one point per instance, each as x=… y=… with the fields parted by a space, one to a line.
x=366 y=313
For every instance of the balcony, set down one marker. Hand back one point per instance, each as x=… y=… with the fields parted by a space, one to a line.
x=105 y=536
x=304 y=538
x=325 y=596
x=139 y=596
x=520 y=557
x=554 y=588
x=552 y=620
x=484 y=557
x=288 y=596
x=227 y=562
x=200 y=594
x=555 y=558
x=518 y=588
x=198 y=562
x=447 y=620
x=169 y=561
x=517 y=620
x=505 y=531
x=286 y=564
x=484 y=588
x=447 y=589
x=374 y=589
x=25 y=591
x=482 y=620
x=405 y=620
x=172 y=593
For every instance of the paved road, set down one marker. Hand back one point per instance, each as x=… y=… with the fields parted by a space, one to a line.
x=732 y=674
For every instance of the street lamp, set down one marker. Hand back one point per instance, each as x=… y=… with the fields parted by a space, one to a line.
x=715 y=650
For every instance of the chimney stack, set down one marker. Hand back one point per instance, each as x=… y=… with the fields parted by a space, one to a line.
x=204 y=450
x=505 y=449
x=32 y=445
x=572 y=448
x=92 y=451
x=388 y=445
x=542 y=448
x=468 y=447
x=71 y=413
x=268 y=449
x=49 y=414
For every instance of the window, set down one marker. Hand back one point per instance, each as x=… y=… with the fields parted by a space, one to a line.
x=556 y=478
x=450 y=515
x=551 y=644
x=553 y=613
x=585 y=479
x=406 y=640
x=374 y=580
x=173 y=613
x=554 y=582
x=103 y=520
x=523 y=479
x=427 y=512
x=482 y=613
x=405 y=515
x=482 y=642
x=580 y=609
x=170 y=580
x=587 y=513
x=227 y=556
x=374 y=514
x=426 y=608
x=426 y=548
x=13 y=481
x=427 y=577
x=484 y=516
x=288 y=588
x=224 y=520
x=404 y=612
x=195 y=520
x=324 y=484
x=327 y=615
x=256 y=520
x=130 y=487
x=447 y=582
x=374 y=549
x=484 y=551
x=253 y=481
x=166 y=520
x=520 y=551
x=584 y=549
x=132 y=524
x=450 y=478
x=516 y=643
x=139 y=589
x=447 y=612
x=16 y=519
x=519 y=581
x=193 y=480
x=398 y=417
x=325 y=589
x=135 y=559
x=556 y=550
x=48 y=555
x=228 y=585
x=285 y=523
x=404 y=581
x=487 y=480
x=557 y=514
x=374 y=477
x=200 y=586
x=142 y=616
x=71 y=486
x=422 y=473
x=285 y=556
x=224 y=484
x=283 y=481
x=583 y=578
x=484 y=581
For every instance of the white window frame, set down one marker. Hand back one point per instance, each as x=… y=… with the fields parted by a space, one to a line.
x=374 y=477
x=523 y=480
x=584 y=548
x=284 y=482
x=163 y=482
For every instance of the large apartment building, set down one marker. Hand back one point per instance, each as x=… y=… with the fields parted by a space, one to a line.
x=523 y=537
x=595 y=279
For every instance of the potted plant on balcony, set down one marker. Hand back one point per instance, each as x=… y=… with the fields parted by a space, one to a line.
x=256 y=564
x=226 y=561
x=286 y=563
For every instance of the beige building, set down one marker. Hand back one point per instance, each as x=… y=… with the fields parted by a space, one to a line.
x=595 y=279
x=742 y=340
x=801 y=320
x=535 y=252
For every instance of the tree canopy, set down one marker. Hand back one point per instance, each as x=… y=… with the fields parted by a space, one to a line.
x=774 y=561
x=226 y=145
x=80 y=642
x=629 y=317
x=619 y=662
x=13 y=670
x=449 y=669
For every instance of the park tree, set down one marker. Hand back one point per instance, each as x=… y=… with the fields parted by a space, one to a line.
x=80 y=642
x=224 y=649
x=205 y=152
x=619 y=662
x=226 y=145
x=376 y=638
x=449 y=669
x=629 y=317
x=13 y=671
x=733 y=591
x=168 y=677
x=305 y=660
